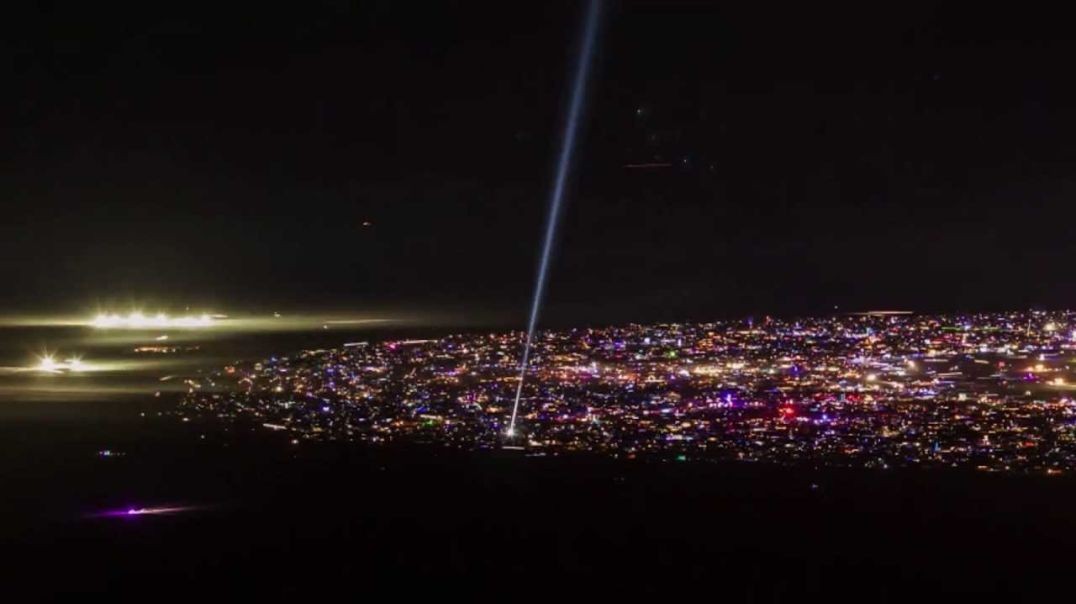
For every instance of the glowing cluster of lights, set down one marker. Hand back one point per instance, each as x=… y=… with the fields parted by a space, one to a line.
x=138 y=320
x=846 y=390
x=49 y=364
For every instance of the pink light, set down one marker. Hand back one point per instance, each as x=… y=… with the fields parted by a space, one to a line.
x=150 y=511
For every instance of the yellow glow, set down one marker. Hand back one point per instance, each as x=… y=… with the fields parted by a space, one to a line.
x=138 y=320
x=49 y=364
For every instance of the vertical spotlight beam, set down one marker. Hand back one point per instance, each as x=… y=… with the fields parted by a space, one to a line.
x=563 y=166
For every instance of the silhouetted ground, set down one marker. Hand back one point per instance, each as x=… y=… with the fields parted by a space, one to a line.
x=286 y=522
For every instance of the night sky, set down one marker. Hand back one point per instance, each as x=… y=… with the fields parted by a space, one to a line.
x=230 y=155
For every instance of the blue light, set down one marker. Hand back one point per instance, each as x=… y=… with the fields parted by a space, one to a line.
x=568 y=145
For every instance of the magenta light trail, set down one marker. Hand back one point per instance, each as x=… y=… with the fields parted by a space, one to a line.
x=145 y=511
x=563 y=165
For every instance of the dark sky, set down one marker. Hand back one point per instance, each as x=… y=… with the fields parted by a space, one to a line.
x=230 y=154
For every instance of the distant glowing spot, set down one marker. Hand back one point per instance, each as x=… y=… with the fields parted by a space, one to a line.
x=146 y=511
x=155 y=511
x=48 y=363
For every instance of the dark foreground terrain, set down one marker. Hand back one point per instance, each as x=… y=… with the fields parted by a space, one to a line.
x=283 y=522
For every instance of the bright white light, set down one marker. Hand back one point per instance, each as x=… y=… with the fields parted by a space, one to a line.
x=49 y=364
x=137 y=320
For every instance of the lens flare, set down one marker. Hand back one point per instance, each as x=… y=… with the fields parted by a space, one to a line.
x=557 y=196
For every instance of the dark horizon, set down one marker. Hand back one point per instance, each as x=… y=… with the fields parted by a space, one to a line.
x=907 y=159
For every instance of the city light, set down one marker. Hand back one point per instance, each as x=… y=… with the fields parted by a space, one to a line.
x=852 y=391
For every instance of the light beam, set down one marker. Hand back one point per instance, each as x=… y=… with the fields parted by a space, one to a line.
x=563 y=165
